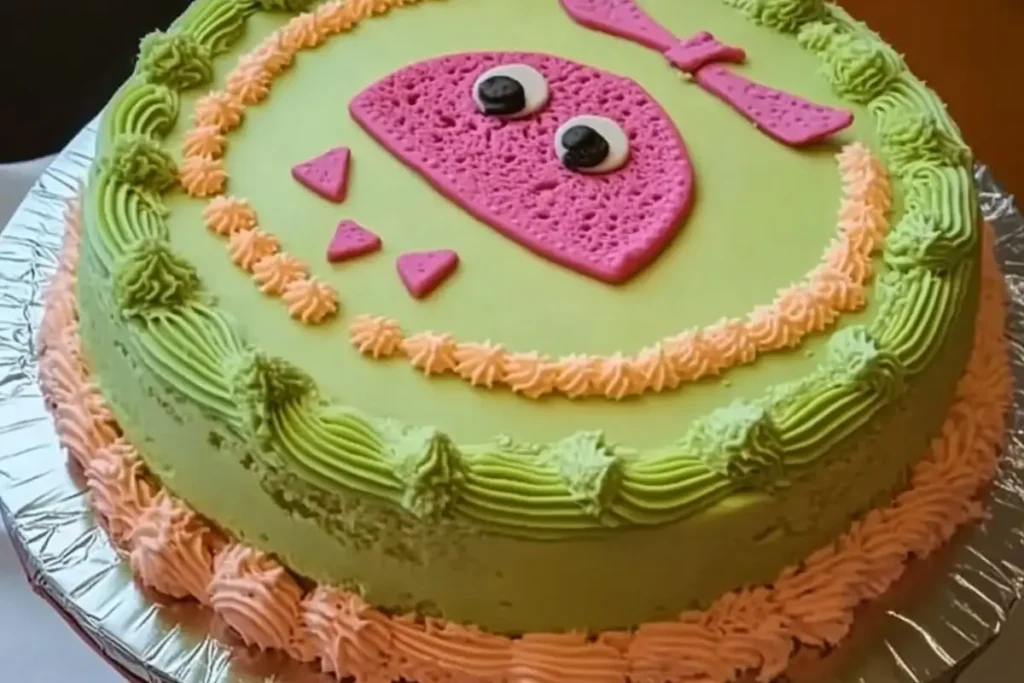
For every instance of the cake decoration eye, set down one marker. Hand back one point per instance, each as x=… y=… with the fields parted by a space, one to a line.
x=511 y=90
x=591 y=144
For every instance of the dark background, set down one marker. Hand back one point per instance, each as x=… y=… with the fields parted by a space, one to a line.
x=63 y=58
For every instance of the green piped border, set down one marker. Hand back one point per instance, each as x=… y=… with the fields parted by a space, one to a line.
x=580 y=483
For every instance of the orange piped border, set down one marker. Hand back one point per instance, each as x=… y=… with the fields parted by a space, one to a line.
x=751 y=631
x=834 y=287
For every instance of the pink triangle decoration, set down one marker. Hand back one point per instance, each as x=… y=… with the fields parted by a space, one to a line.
x=326 y=175
x=423 y=271
x=350 y=241
x=787 y=118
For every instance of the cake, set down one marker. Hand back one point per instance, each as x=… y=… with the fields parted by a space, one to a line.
x=519 y=341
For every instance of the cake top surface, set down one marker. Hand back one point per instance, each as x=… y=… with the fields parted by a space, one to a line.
x=756 y=216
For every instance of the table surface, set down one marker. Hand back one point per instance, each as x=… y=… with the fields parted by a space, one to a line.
x=960 y=47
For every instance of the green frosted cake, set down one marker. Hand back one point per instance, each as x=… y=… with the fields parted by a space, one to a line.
x=535 y=322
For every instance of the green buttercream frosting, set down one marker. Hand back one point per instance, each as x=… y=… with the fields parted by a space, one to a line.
x=264 y=385
x=860 y=69
x=139 y=161
x=917 y=139
x=817 y=36
x=787 y=16
x=149 y=276
x=589 y=468
x=917 y=241
x=178 y=61
x=219 y=24
x=855 y=357
x=740 y=441
x=285 y=5
x=429 y=466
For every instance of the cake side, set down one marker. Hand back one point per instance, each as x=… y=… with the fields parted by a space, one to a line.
x=334 y=466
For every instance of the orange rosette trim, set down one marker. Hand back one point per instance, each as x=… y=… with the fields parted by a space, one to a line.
x=310 y=300
x=227 y=215
x=249 y=247
x=218 y=109
x=273 y=273
x=376 y=336
x=202 y=176
x=204 y=141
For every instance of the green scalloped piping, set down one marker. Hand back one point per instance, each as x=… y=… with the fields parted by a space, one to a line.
x=176 y=60
x=581 y=483
x=151 y=278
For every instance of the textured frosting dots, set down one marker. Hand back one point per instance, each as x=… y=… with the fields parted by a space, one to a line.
x=833 y=287
x=753 y=630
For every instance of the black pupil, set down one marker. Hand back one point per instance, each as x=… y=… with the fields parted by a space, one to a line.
x=502 y=95
x=584 y=147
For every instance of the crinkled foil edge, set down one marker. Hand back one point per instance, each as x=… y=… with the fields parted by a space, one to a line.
x=938 y=619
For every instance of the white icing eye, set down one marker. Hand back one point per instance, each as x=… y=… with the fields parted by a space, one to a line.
x=591 y=144
x=511 y=90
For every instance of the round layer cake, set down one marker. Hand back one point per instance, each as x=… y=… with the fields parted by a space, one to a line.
x=559 y=315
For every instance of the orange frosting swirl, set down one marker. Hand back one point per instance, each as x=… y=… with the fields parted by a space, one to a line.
x=249 y=84
x=860 y=214
x=769 y=331
x=658 y=369
x=560 y=657
x=348 y=636
x=255 y=596
x=202 y=176
x=729 y=340
x=204 y=141
x=249 y=247
x=482 y=364
x=227 y=215
x=802 y=311
x=310 y=300
x=219 y=109
x=84 y=420
x=618 y=377
x=302 y=32
x=432 y=353
x=530 y=374
x=853 y=263
x=275 y=272
x=376 y=336
x=837 y=290
x=117 y=487
x=577 y=375
x=692 y=355
x=334 y=17
x=171 y=549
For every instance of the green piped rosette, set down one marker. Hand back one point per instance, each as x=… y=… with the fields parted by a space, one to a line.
x=580 y=483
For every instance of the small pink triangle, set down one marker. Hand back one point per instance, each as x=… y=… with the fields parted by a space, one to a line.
x=327 y=174
x=351 y=240
x=423 y=271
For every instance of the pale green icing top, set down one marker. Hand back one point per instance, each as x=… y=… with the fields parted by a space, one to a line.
x=780 y=417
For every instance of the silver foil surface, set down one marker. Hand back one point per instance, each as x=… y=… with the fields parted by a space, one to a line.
x=927 y=629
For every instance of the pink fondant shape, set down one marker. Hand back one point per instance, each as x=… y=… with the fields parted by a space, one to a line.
x=327 y=174
x=787 y=118
x=621 y=18
x=423 y=271
x=506 y=173
x=350 y=241
x=700 y=50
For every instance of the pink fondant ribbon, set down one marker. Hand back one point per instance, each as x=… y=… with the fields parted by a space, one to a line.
x=787 y=118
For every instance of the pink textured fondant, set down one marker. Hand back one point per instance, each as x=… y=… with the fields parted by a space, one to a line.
x=690 y=54
x=505 y=172
x=350 y=241
x=423 y=271
x=787 y=118
x=621 y=18
x=327 y=174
